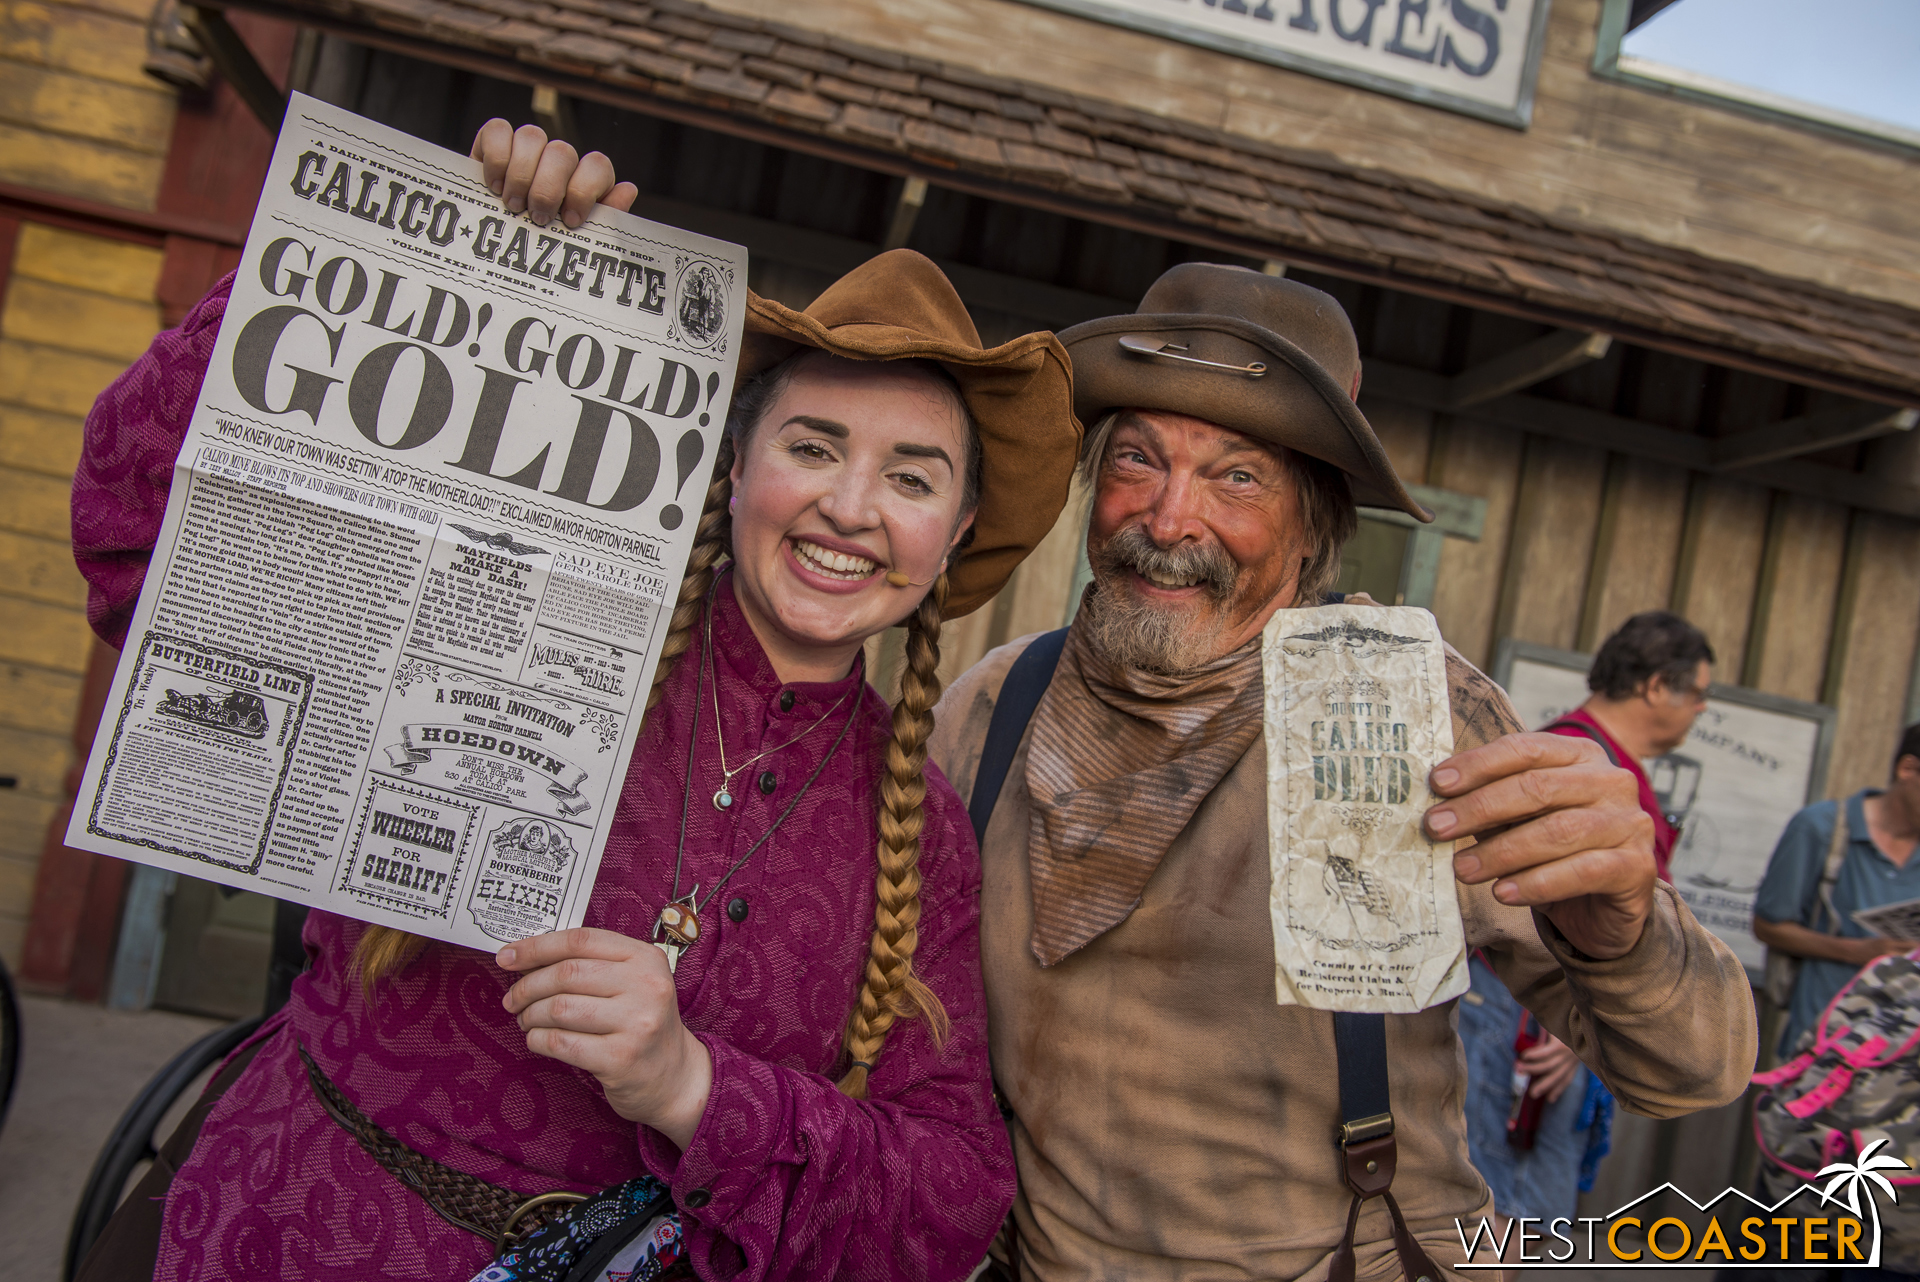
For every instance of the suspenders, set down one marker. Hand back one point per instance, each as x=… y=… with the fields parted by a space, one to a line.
x=1027 y=680
x=1366 y=1119
x=1367 y=1147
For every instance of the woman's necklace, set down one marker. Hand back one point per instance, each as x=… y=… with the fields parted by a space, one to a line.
x=723 y=797
x=678 y=926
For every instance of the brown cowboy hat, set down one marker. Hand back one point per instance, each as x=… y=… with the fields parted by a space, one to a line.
x=1260 y=354
x=899 y=306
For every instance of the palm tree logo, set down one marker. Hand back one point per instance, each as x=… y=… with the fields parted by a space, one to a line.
x=1850 y=1178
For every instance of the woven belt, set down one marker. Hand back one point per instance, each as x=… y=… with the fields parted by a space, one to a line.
x=499 y=1215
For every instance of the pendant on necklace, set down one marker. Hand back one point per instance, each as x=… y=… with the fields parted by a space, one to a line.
x=680 y=922
x=722 y=799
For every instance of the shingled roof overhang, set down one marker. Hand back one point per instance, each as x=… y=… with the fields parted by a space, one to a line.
x=1033 y=145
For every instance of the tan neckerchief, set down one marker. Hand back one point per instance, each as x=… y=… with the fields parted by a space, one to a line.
x=1118 y=762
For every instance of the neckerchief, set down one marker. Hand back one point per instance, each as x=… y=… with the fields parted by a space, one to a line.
x=1118 y=762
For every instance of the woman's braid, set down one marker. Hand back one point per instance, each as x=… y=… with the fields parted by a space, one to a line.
x=891 y=990
x=712 y=538
x=382 y=950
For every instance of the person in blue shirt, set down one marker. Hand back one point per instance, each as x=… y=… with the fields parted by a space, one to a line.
x=1878 y=868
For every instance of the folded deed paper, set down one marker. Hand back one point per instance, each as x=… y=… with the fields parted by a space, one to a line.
x=1365 y=915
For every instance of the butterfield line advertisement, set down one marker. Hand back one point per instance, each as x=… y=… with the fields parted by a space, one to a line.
x=440 y=485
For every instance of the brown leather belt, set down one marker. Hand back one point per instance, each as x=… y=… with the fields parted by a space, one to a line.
x=497 y=1214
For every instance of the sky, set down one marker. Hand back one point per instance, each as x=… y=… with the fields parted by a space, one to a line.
x=1859 y=56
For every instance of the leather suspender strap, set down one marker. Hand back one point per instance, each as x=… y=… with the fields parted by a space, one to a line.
x=1367 y=1147
x=1027 y=681
x=1020 y=694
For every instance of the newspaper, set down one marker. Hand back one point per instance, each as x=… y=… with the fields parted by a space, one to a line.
x=1899 y=921
x=440 y=485
x=1365 y=915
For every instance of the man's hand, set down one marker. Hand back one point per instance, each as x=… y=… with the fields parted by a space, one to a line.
x=1551 y=1064
x=605 y=1003
x=1558 y=828
x=543 y=178
x=1791 y=937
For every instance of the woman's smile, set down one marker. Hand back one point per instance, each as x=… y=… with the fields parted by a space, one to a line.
x=844 y=567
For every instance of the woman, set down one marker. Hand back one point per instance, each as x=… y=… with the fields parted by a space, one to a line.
x=809 y=1076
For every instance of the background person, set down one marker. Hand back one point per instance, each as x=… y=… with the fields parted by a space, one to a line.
x=811 y=1082
x=1649 y=682
x=1877 y=867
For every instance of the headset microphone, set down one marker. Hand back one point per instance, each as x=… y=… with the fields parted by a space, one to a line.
x=899 y=579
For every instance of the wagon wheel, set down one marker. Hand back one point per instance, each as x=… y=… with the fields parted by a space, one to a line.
x=132 y=1140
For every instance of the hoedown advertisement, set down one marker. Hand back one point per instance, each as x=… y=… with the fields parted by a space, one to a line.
x=434 y=504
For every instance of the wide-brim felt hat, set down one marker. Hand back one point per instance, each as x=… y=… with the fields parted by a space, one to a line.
x=898 y=306
x=1260 y=354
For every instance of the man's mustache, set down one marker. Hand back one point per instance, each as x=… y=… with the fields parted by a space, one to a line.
x=1131 y=548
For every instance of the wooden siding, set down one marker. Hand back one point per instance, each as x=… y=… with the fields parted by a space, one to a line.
x=77 y=309
x=77 y=115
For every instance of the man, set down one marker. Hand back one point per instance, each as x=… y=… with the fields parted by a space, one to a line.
x=1798 y=915
x=1649 y=682
x=1170 y=1119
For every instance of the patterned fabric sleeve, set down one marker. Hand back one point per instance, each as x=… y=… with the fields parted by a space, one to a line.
x=132 y=438
x=787 y=1177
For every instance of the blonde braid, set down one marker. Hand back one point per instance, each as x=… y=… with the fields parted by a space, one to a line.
x=891 y=990
x=712 y=539
x=382 y=950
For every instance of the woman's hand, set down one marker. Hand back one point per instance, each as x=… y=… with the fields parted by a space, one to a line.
x=542 y=177
x=605 y=1003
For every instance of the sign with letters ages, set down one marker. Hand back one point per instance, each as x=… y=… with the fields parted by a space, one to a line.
x=1479 y=57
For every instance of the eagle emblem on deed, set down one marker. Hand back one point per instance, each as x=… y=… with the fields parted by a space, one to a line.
x=1365 y=916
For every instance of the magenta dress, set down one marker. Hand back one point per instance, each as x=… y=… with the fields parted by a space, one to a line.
x=785 y=1177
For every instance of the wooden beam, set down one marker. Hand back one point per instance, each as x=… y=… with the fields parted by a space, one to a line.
x=135 y=226
x=1524 y=366
x=233 y=60
x=906 y=211
x=1810 y=432
x=837 y=255
x=1681 y=449
x=553 y=113
x=1455 y=515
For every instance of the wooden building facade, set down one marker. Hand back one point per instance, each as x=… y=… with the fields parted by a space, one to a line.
x=1646 y=351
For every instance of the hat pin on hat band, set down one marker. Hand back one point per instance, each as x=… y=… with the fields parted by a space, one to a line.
x=1171 y=351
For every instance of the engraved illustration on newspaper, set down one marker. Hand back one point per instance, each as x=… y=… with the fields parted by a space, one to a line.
x=440 y=484
x=1365 y=914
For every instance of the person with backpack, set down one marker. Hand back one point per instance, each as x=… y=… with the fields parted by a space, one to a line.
x=1847 y=1091
x=1835 y=859
x=1170 y=1119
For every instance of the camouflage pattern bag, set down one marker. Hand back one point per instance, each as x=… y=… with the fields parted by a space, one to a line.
x=1854 y=1079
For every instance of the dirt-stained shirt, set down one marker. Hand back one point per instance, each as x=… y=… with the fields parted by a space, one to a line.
x=1172 y=1121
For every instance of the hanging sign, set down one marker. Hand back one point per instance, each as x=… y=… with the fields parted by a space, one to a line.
x=1474 y=56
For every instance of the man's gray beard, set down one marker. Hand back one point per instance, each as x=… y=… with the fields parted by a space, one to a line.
x=1138 y=634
